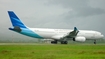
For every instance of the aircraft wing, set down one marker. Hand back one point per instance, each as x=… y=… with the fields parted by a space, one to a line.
x=71 y=34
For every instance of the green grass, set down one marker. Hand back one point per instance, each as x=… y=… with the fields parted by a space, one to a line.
x=52 y=51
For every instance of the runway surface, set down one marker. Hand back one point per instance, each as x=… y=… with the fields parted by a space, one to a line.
x=48 y=44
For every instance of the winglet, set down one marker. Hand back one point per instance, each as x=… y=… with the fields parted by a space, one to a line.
x=75 y=29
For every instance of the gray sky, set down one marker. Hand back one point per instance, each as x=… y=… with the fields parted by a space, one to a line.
x=84 y=14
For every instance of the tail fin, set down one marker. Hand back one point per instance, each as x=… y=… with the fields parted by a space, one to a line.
x=16 y=22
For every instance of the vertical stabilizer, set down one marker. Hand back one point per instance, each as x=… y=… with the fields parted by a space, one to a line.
x=16 y=22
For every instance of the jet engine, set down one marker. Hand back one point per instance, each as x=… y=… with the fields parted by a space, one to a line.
x=79 y=39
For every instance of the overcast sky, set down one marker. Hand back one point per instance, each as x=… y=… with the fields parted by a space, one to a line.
x=84 y=14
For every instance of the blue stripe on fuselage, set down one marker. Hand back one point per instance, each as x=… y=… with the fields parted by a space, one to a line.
x=28 y=32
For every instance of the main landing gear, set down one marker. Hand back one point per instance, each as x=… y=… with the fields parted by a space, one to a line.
x=54 y=42
x=62 y=42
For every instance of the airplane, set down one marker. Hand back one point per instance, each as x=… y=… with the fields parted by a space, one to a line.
x=58 y=35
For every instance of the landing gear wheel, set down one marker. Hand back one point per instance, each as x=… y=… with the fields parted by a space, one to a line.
x=64 y=42
x=54 y=42
x=94 y=41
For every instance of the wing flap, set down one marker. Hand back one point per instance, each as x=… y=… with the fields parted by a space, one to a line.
x=72 y=34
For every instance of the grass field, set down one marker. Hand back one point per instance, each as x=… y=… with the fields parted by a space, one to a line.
x=49 y=51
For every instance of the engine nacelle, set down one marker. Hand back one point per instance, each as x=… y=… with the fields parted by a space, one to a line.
x=80 y=39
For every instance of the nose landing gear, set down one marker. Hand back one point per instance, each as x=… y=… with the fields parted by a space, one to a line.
x=94 y=41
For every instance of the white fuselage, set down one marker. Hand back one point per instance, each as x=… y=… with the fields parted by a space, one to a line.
x=49 y=33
